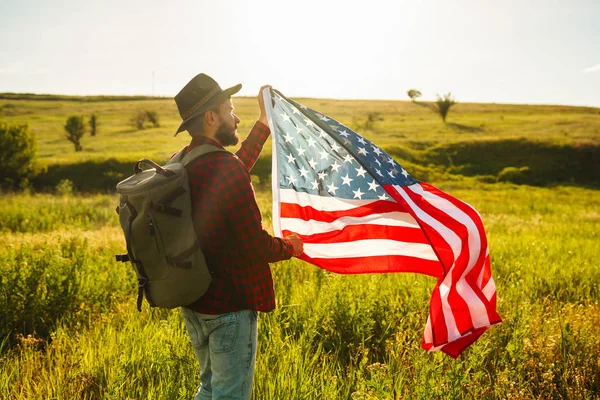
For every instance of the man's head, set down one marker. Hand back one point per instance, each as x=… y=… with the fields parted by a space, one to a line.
x=203 y=97
x=219 y=123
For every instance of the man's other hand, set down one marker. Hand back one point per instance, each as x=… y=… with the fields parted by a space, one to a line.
x=261 y=104
x=296 y=243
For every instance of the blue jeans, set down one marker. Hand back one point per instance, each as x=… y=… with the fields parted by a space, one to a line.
x=225 y=346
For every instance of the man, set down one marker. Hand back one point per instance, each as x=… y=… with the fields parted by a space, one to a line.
x=222 y=324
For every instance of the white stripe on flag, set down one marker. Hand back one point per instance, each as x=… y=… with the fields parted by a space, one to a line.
x=322 y=203
x=366 y=248
x=312 y=227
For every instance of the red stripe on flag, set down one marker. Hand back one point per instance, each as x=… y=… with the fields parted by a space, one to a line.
x=291 y=210
x=352 y=233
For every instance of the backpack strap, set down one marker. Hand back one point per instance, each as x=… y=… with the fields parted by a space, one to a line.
x=197 y=152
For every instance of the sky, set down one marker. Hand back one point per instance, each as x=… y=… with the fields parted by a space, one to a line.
x=511 y=51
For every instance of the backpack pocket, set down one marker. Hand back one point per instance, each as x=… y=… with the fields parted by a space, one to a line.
x=155 y=233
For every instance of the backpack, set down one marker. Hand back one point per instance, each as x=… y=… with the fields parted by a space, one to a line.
x=155 y=212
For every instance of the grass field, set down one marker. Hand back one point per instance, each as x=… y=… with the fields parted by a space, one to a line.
x=70 y=330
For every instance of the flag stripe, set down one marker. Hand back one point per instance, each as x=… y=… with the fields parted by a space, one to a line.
x=473 y=251
x=366 y=248
x=379 y=208
x=311 y=227
x=362 y=232
x=323 y=203
x=376 y=264
x=442 y=319
x=450 y=287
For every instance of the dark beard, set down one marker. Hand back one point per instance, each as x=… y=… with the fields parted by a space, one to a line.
x=226 y=135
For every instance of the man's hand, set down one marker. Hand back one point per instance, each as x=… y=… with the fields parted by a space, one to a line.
x=261 y=104
x=296 y=243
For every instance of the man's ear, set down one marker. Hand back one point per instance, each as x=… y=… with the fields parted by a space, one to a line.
x=211 y=118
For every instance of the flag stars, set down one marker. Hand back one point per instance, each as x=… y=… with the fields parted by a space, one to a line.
x=301 y=151
x=360 y=171
x=303 y=172
x=382 y=197
x=344 y=133
x=332 y=188
x=373 y=185
x=322 y=175
x=346 y=180
x=313 y=163
x=361 y=140
x=391 y=174
x=308 y=122
x=288 y=138
x=311 y=142
x=335 y=166
x=314 y=184
x=291 y=180
x=324 y=118
x=295 y=111
x=285 y=117
x=298 y=130
x=362 y=150
x=348 y=158
x=335 y=147
x=376 y=150
x=378 y=162
x=290 y=158
x=390 y=161
x=323 y=154
x=378 y=172
x=357 y=194
x=404 y=173
x=322 y=134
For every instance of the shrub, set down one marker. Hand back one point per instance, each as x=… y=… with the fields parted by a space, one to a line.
x=153 y=118
x=369 y=122
x=64 y=187
x=75 y=129
x=413 y=94
x=514 y=174
x=18 y=150
x=93 y=124
x=137 y=120
x=444 y=104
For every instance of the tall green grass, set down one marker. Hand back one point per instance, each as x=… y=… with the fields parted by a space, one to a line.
x=70 y=328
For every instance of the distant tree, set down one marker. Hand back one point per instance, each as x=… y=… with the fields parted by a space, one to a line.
x=93 y=124
x=138 y=119
x=372 y=118
x=413 y=94
x=18 y=150
x=153 y=118
x=444 y=104
x=75 y=128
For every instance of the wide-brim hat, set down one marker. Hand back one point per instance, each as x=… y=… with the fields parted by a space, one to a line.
x=199 y=95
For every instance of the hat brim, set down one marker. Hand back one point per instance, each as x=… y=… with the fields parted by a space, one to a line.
x=209 y=104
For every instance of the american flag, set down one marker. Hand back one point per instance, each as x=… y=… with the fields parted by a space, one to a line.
x=358 y=211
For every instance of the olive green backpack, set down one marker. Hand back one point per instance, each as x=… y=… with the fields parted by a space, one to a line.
x=155 y=212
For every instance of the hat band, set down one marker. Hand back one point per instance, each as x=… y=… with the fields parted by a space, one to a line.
x=200 y=103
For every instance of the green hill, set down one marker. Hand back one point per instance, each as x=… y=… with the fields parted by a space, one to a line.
x=537 y=145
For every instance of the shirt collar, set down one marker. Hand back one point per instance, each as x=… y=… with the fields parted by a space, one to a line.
x=200 y=140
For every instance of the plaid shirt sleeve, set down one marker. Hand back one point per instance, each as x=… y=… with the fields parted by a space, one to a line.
x=239 y=204
x=253 y=144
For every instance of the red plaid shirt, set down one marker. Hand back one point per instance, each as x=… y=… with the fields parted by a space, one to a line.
x=228 y=224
